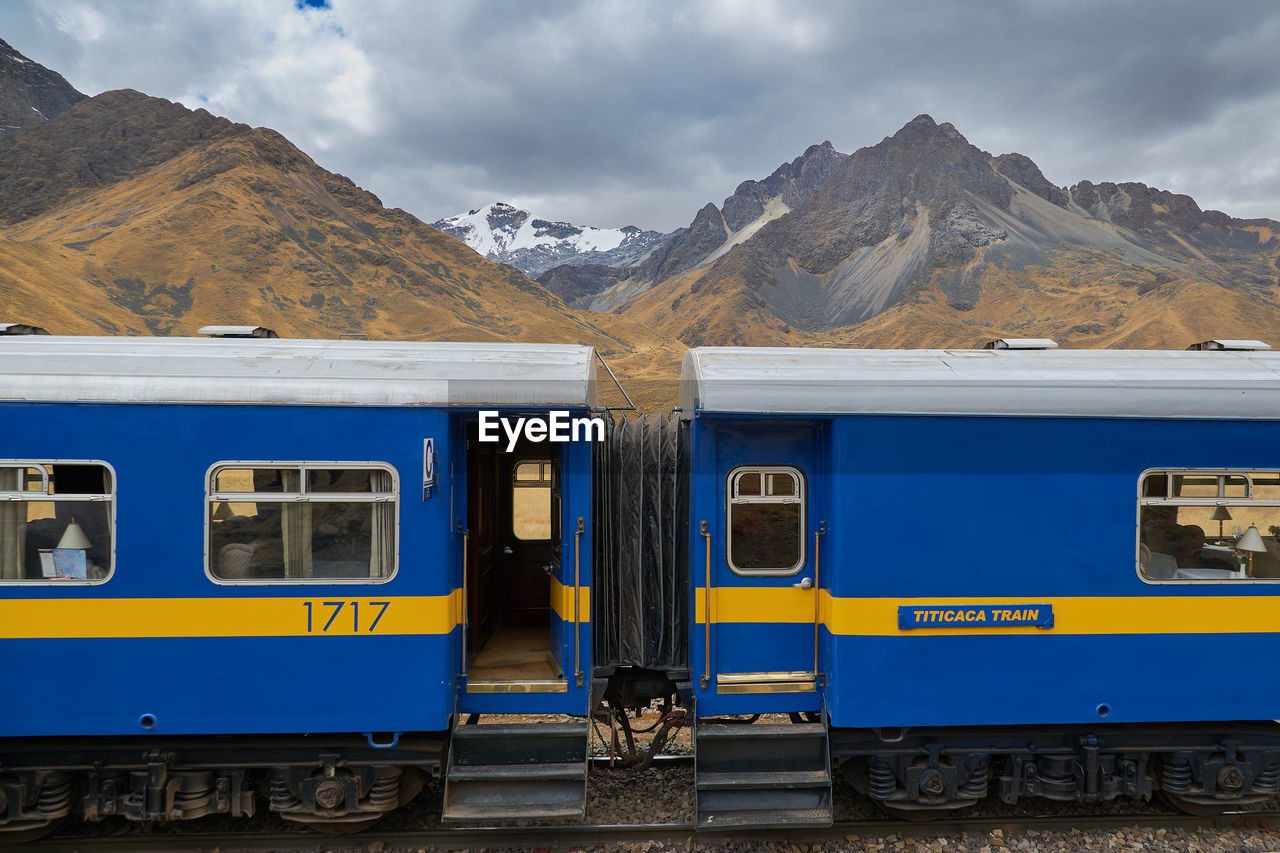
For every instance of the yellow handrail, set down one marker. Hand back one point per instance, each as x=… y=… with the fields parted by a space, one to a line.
x=466 y=535
x=706 y=669
x=577 y=599
x=817 y=594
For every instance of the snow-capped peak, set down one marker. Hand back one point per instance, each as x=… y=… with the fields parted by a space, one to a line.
x=509 y=235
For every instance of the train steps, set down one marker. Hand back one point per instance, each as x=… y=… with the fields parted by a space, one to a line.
x=762 y=775
x=516 y=770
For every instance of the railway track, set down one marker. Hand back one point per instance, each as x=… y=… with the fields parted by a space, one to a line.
x=679 y=835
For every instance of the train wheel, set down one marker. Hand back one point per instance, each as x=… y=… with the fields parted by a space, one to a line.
x=338 y=827
x=919 y=815
x=411 y=784
x=1198 y=809
x=30 y=833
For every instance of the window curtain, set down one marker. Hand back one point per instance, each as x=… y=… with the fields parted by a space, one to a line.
x=295 y=522
x=13 y=527
x=296 y=529
x=383 y=551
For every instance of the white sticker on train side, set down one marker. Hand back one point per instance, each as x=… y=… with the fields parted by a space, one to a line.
x=557 y=426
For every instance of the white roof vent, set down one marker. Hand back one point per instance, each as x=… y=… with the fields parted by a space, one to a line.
x=237 y=332
x=1021 y=343
x=1238 y=346
x=20 y=329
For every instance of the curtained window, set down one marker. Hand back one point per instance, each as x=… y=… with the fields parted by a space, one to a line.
x=56 y=522
x=301 y=522
x=1209 y=525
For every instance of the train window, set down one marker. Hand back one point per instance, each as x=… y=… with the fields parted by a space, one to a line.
x=765 y=521
x=57 y=522
x=1209 y=526
x=531 y=499
x=303 y=522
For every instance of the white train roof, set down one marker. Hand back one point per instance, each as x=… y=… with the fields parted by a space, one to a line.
x=372 y=373
x=1105 y=383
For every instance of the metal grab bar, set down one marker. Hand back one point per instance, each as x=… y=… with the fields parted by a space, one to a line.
x=706 y=668
x=577 y=599
x=817 y=593
x=630 y=407
x=466 y=536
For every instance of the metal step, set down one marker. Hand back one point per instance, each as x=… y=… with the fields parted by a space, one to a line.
x=505 y=771
x=713 y=781
x=736 y=731
x=766 y=819
x=762 y=775
x=511 y=772
x=502 y=811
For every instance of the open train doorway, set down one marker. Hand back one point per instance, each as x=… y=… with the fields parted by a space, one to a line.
x=513 y=563
x=522 y=612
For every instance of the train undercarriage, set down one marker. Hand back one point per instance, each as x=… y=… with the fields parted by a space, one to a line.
x=346 y=783
x=338 y=784
x=1199 y=768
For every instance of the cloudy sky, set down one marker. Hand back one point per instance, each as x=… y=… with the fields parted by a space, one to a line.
x=633 y=112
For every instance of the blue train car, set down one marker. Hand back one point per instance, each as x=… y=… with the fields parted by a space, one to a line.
x=1043 y=572
x=229 y=565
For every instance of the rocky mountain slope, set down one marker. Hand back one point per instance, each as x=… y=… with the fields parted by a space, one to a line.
x=508 y=235
x=132 y=215
x=924 y=235
x=125 y=214
x=713 y=232
x=30 y=94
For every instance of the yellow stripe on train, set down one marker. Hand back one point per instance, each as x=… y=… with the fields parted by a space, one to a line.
x=878 y=617
x=329 y=615
x=562 y=601
x=755 y=604
x=870 y=617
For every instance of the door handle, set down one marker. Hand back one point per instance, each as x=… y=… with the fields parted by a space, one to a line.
x=549 y=568
x=506 y=549
x=806 y=583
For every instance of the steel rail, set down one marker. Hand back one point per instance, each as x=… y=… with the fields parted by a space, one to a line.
x=670 y=833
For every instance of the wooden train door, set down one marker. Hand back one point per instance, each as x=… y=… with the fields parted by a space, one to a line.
x=531 y=510
x=513 y=508
x=482 y=509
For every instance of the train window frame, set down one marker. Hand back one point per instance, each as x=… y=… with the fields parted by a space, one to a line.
x=545 y=464
x=43 y=495
x=1220 y=499
x=213 y=497
x=733 y=496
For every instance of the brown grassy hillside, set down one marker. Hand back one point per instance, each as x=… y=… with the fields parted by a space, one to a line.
x=190 y=220
x=925 y=240
x=131 y=215
x=1085 y=300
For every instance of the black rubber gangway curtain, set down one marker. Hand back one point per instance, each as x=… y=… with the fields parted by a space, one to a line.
x=641 y=616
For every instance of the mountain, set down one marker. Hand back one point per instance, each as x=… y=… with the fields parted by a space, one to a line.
x=30 y=94
x=713 y=232
x=126 y=214
x=927 y=240
x=132 y=215
x=508 y=235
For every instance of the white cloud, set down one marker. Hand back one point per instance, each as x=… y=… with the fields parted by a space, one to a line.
x=1244 y=183
x=613 y=112
x=78 y=20
x=757 y=23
